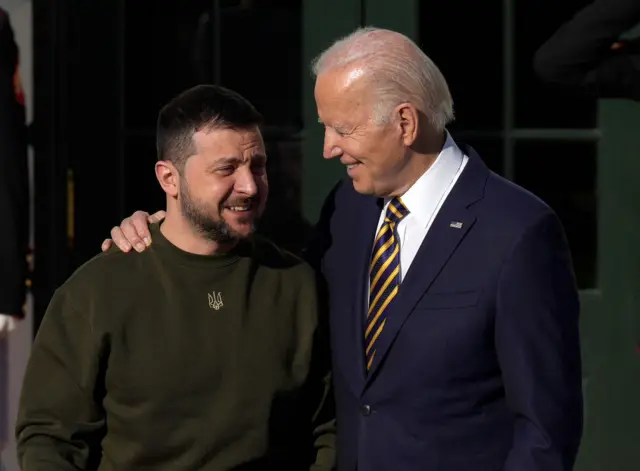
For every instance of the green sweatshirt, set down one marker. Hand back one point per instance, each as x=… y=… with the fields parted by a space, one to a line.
x=166 y=360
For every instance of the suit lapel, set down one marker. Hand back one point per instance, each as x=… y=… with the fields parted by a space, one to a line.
x=438 y=246
x=449 y=228
x=364 y=228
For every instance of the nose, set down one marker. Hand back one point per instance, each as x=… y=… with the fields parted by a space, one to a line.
x=331 y=147
x=246 y=182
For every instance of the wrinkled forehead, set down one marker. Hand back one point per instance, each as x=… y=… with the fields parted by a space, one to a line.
x=342 y=93
x=226 y=142
x=347 y=80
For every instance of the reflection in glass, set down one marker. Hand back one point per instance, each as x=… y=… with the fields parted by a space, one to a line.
x=563 y=174
x=468 y=50
x=539 y=105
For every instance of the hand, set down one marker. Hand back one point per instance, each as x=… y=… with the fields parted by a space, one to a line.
x=627 y=46
x=7 y=324
x=133 y=232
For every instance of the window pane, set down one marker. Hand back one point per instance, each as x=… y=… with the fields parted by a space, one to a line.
x=141 y=188
x=539 y=105
x=159 y=54
x=489 y=149
x=563 y=174
x=252 y=47
x=468 y=49
x=283 y=221
x=261 y=58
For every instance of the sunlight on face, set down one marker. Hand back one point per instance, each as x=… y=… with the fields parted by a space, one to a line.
x=372 y=153
x=224 y=186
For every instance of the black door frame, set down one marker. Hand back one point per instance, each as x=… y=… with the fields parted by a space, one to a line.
x=77 y=136
x=50 y=218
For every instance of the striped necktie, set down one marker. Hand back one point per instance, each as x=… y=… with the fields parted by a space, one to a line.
x=384 y=276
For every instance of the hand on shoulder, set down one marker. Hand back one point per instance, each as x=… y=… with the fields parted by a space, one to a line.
x=133 y=232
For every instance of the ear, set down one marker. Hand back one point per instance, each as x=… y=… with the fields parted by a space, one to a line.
x=408 y=120
x=168 y=177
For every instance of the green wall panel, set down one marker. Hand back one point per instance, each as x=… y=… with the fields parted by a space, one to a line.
x=397 y=15
x=611 y=329
x=324 y=21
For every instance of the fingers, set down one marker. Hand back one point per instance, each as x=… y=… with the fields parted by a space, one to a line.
x=156 y=217
x=132 y=231
x=106 y=245
x=119 y=238
x=138 y=233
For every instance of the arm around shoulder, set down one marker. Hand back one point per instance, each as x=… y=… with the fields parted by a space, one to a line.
x=60 y=422
x=538 y=347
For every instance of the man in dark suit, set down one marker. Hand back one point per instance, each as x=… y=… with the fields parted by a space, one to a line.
x=14 y=197
x=454 y=310
x=588 y=54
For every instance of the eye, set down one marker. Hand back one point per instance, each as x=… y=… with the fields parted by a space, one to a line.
x=259 y=169
x=340 y=132
x=335 y=130
x=228 y=170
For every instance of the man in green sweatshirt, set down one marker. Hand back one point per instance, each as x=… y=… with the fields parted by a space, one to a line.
x=207 y=351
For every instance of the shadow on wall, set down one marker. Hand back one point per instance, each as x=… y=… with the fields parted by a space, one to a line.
x=283 y=221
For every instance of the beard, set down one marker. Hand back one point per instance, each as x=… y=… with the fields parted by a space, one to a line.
x=201 y=219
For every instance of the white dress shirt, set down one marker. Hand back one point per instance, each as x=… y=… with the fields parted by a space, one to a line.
x=424 y=199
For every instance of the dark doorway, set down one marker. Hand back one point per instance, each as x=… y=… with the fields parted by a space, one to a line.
x=104 y=68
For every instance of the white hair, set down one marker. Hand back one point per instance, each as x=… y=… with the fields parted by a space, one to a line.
x=399 y=70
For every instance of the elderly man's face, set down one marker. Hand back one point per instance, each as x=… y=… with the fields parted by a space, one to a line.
x=373 y=154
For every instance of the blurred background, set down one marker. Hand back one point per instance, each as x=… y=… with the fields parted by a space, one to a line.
x=95 y=75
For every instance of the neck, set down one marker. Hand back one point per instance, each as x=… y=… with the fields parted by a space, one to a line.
x=423 y=155
x=183 y=235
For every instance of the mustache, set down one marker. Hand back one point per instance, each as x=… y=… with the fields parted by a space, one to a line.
x=240 y=202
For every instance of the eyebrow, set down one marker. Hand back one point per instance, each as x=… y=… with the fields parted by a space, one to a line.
x=336 y=126
x=227 y=161
x=237 y=160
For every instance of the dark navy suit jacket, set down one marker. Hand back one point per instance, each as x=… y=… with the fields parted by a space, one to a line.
x=478 y=366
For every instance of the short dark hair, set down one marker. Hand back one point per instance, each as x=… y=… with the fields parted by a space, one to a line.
x=201 y=107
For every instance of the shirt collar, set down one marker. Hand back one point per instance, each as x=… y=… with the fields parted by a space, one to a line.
x=425 y=194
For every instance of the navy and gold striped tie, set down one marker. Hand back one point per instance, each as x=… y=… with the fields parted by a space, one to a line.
x=384 y=276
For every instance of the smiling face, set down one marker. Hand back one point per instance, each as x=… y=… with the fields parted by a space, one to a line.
x=223 y=186
x=375 y=154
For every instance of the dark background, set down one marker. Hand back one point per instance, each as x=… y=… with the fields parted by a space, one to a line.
x=104 y=68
